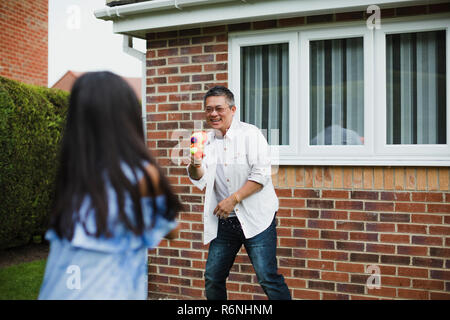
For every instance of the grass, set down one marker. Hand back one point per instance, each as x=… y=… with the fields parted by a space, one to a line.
x=22 y=281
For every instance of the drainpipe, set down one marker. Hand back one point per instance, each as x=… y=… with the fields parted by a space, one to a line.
x=128 y=48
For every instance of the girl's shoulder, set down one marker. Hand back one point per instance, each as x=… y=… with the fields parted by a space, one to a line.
x=154 y=175
x=137 y=176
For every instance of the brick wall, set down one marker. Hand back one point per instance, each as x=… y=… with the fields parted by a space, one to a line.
x=23 y=40
x=333 y=222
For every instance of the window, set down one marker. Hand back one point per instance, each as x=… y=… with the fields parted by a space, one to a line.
x=336 y=92
x=265 y=86
x=265 y=89
x=412 y=92
x=346 y=95
x=415 y=88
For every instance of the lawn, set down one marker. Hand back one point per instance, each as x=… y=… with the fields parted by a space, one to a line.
x=22 y=281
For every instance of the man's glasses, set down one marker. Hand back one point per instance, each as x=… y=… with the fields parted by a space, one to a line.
x=210 y=110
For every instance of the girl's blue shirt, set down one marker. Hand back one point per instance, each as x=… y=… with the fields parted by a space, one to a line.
x=88 y=267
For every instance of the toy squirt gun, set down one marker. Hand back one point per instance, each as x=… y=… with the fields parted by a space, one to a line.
x=198 y=140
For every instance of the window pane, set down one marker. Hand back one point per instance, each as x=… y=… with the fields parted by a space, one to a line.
x=415 y=85
x=265 y=90
x=337 y=92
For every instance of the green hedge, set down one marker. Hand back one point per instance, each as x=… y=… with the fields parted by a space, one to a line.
x=31 y=123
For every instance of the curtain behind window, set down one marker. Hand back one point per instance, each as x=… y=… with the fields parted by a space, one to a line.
x=265 y=90
x=337 y=92
x=415 y=85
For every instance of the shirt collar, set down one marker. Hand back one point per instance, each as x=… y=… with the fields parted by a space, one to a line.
x=231 y=132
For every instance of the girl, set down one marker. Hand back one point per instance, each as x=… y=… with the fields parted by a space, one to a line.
x=112 y=201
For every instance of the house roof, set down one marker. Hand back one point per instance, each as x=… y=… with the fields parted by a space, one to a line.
x=67 y=80
x=137 y=19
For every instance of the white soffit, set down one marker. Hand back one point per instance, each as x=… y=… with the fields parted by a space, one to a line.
x=162 y=15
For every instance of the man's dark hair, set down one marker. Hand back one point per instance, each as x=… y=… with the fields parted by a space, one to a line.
x=219 y=91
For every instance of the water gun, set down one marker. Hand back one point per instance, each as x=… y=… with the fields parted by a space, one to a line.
x=198 y=140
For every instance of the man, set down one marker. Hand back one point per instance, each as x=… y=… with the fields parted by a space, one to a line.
x=240 y=200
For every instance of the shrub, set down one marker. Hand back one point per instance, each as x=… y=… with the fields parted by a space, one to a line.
x=31 y=123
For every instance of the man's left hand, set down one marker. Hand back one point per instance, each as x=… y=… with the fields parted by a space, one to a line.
x=223 y=209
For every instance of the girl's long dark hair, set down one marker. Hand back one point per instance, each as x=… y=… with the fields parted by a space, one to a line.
x=103 y=130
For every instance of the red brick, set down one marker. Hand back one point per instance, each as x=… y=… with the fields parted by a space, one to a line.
x=341 y=225
x=364 y=216
x=335 y=194
x=333 y=255
x=336 y=235
x=305 y=233
x=292 y=203
x=413 y=294
x=439 y=8
x=299 y=223
x=380 y=227
x=321 y=224
x=350 y=288
x=216 y=48
x=169 y=70
x=216 y=67
x=291 y=22
x=366 y=195
x=345 y=16
x=202 y=77
x=427 y=197
x=322 y=204
x=378 y=206
x=438 y=208
x=394 y=238
x=395 y=196
x=426 y=218
x=381 y=248
x=285 y=193
x=411 y=228
x=412 y=251
x=330 y=214
x=167 y=52
x=363 y=236
x=410 y=207
x=426 y=240
x=349 y=246
x=412 y=10
x=349 y=205
x=289 y=242
x=440 y=230
x=156 y=62
x=202 y=58
x=202 y=39
x=306 y=294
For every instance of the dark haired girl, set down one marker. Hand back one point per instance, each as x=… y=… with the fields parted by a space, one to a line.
x=112 y=201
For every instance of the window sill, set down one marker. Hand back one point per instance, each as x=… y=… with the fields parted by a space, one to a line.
x=362 y=161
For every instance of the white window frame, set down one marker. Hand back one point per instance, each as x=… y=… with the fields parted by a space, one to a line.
x=427 y=152
x=341 y=152
x=236 y=42
x=375 y=151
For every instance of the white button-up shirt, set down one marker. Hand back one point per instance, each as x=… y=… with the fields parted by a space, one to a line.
x=246 y=157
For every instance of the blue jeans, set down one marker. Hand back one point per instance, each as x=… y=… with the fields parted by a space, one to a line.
x=261 y=250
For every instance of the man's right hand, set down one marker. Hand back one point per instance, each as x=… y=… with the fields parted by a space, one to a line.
x=195 y=168
x=196 y=161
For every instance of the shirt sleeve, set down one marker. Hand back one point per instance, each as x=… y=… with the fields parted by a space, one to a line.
x=259 y=158
x=201 y=183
